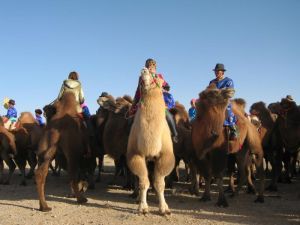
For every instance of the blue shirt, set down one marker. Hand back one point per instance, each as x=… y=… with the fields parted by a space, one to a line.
x=169 y=100
x=224 y=83
x=192 y=113
x=11 y=112
x=230 y=119
x=39 y=119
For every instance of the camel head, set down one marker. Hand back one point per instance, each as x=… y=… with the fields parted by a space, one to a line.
x=240 y=103
x=274 y=107
x=107 y=102
x=255 y=121
x=149 y=81
x=211 y=109
x=122 y=105
x=257 y=108
x=180 y=115
x=49 y=111
x=287 y=104
x=214 y=97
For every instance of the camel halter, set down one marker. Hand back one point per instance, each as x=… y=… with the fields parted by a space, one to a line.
x=154 y=80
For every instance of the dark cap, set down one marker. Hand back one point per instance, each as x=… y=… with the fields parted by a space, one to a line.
x=38 y=111
x=219 y=66
x=104 y=94
x=11 y=101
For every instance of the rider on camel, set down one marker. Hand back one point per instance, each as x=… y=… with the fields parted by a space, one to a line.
x=151 y=66
x=225 y=82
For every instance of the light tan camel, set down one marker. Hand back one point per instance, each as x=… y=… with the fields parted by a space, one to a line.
x=150 y=139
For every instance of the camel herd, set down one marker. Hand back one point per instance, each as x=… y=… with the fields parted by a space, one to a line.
x=142 y=148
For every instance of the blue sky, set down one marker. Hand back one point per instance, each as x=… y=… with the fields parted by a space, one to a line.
x=107 y=43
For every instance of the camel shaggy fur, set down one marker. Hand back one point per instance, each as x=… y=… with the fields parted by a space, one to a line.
x=150 y=139
x=265 y=121
x=64 y=134
x=211 y=140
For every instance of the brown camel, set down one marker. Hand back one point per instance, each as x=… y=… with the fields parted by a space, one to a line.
x=288 y=125
x=64 y=133
x=212 y=145
x=7 y=149
x=265 y=121
x=116 y=130
x=150 y=139
x=27 y=136
x=98 y=121
x=183 y=149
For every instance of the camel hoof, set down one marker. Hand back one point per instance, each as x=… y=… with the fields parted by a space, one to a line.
x=259 y=199
x=194 y=191
x=45 y=209
x=222 y=203
x=143 y=210
x=165 y=212
x=82 y=200
x=205 y=198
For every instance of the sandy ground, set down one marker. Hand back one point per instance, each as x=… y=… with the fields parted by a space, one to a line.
x=111 y=205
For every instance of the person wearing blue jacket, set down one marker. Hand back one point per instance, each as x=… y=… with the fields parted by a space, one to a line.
x=168 y=98
x=85 y=111
x=225 y=82
x=170 y=103
x=12 y=113
x=39 y=118
x=192 y=110
x=11 y=116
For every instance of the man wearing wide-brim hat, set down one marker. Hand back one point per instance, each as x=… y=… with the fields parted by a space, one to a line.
x=225 y=82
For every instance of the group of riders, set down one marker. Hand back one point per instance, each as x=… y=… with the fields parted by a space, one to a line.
x=72 y=84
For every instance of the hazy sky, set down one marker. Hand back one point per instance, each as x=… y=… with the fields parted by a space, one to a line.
x=107 y=43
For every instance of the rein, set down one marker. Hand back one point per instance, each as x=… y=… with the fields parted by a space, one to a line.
x=154 y=80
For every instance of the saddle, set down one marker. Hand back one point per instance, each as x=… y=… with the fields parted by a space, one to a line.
x=10 y=124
